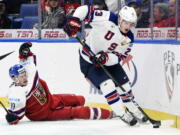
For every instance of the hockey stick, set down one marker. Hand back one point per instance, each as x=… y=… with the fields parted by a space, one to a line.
x=155 y=123
x=5 y=55
x=4 y=107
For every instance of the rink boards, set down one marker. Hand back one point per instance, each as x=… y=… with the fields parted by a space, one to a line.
x=154 y=72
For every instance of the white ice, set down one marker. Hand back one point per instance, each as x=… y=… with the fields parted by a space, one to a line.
x=81 y=127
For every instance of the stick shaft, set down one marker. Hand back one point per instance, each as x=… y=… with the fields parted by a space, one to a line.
x=5 y=55
x=4 y=107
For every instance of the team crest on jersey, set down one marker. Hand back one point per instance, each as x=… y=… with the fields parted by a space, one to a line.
x=40 y=94
x=123 y=43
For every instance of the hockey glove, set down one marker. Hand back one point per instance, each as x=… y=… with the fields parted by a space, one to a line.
x=12 y=118
x=72 y=26
x=24 y=49
x=100 y=58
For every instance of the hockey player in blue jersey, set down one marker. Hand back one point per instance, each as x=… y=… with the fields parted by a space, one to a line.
x=111 y=40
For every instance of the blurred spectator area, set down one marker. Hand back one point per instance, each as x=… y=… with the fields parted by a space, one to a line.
x=163 y=12
x=16 y=10
x=160 y=13
x=26 y=10
x=13 y=6
x=71 y=5
x=22 y=11
x=68 y=5
x=5 y=22
x=19 y=11
x=53 y=15
x=29 y=21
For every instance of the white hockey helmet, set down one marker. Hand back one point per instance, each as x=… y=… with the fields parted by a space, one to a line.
x=128 y=14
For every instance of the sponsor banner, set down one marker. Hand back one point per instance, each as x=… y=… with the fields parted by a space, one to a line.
x=140 y=34
x=33 y=34
x=53 y=34
x=158 y=34
x=57 y=34
x=18 y=34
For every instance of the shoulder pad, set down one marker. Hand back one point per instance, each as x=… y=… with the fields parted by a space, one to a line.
x=113 y=18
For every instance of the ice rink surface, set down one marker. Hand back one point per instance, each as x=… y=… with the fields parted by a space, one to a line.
x=81 y=127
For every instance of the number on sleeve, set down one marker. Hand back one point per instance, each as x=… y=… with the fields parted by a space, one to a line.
x=12 y=106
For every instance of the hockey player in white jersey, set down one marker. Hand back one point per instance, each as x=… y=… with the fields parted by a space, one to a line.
x=111 y=40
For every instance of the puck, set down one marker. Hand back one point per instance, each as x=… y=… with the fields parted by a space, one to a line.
x=156 y=126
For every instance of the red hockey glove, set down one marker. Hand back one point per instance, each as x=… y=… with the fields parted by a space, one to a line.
x=24 y=50
x=101 y=57
x=12 y=118
x=72 y=26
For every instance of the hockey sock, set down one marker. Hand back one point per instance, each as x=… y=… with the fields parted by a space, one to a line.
x=112 y=97
x=127 y=97
x=99 y=113
x=81 y=112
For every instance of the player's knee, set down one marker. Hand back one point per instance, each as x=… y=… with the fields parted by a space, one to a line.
x=126 y=86
x=107 y=86
x=81 y=100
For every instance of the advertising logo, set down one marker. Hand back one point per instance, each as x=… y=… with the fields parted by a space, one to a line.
x=130 y=69
x=171 y=69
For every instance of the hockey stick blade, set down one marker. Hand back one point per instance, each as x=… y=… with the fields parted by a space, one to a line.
x=153 y=122
x=5 y=55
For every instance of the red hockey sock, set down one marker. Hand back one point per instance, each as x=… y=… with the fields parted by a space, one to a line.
x=82 y=112
x=99 y=113
x=106 y=114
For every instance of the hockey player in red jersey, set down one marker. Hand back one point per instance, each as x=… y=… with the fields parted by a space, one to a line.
x=29 y=96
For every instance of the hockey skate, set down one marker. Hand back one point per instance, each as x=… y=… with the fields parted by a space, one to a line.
x=140 y=116
x=129 y=119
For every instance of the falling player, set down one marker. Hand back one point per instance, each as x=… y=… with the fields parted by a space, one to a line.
x=29 y=96
x=111 y=40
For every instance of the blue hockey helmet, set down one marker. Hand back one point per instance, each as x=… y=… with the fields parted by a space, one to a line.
x=15 y=70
